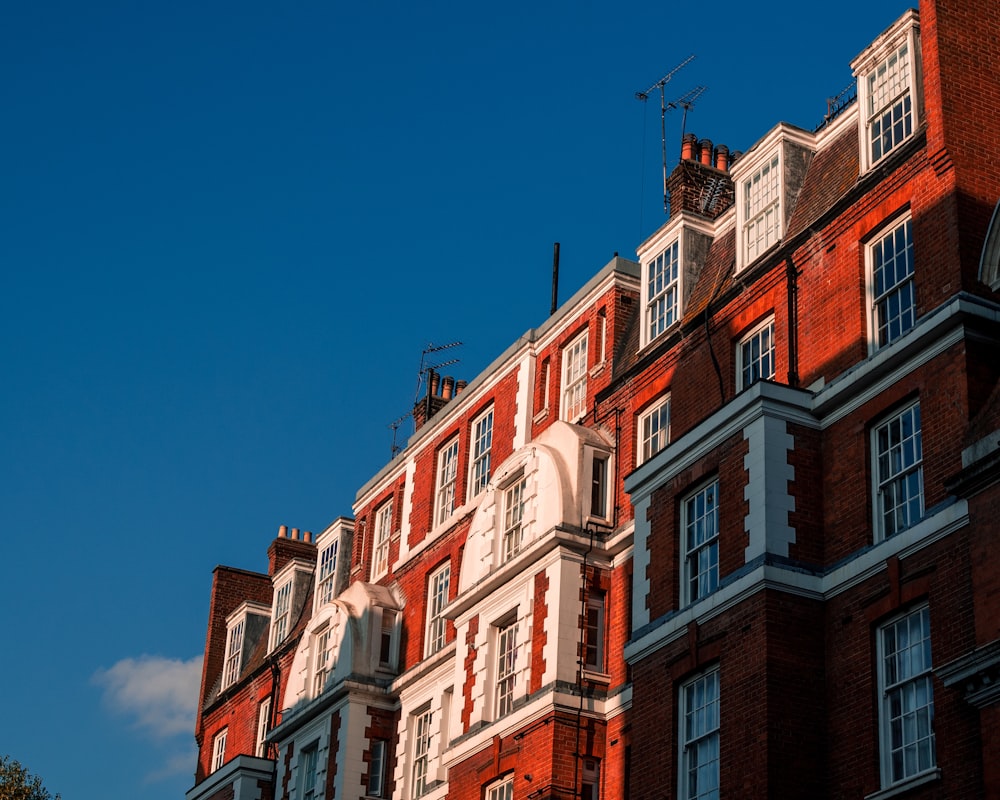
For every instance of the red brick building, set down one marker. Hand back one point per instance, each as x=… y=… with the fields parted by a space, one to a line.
x=723 y=525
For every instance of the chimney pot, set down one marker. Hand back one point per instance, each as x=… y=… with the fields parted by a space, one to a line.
x=446 y=387
x=722 y=157
x=435 y=382
x=687 y=146
x=460 y=385
x=706 y=152
x=294 y=534
x=307 y=536
x=282 y=531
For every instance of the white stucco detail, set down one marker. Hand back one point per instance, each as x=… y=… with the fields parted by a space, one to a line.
x=766 y=491
x=351 y=746
x=404 y=528
x=356 y=619
x=555 y=466
x=432 y=691
x=522 y=413
x=640 y=563
x=564 y=613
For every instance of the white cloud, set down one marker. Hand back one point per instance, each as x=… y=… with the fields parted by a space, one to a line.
x=160 y=694
x=174 y=765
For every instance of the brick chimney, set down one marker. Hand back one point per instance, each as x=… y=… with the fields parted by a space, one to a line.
x=700 y=183
x=289 y=544
x=439 y=392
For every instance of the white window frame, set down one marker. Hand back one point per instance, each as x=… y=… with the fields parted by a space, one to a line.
x=323 y=657
x=438 y=587
x=505 y=683
x=761 y=194
x=263 y=727
x=512 y=507
x=594 y=631
x=590 y=788
x=481 y=448
x=446 y=492
x=906 y=697
x=888 y=80
x=383 y=533
x=282 y=616
x=698 y=737
x=219 y=749
x=387 y=621
x=755 y=355
x=502 y=789
x=423 y=722
x=378 y=754
x=308 y=771
x=700 y=542
x=326 y=578
x=661 y=279
x=892 y=309
x=574 y=378
x=897 y=469
x=652 y=430
x=602 y=336
x=234 y=651
x=601 y=499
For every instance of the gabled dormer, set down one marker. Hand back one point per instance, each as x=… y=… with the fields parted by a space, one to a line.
x=889 y=90
x=244 y=628
x=333 y=547
x=671 y=260
x=767 y=181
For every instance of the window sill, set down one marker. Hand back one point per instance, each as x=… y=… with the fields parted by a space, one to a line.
x=596 y=677
x=904 y=786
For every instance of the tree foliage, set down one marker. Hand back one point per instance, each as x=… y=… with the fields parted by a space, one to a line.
x=16 y=783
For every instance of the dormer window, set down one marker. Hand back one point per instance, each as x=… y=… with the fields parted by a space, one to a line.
x=282 y=613
x=767 y=181
x=234 y=652
x=662 y=291
x=291 y=585
x=887 y=75
x=762 y=204
x=327 y=572
x=244 y=627
x=671 y=260
x=331 y=575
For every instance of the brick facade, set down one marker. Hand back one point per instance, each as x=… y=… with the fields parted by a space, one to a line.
x=700 y=607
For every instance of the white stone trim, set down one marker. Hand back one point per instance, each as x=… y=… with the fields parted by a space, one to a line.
x=861 y=567
x=766 y=491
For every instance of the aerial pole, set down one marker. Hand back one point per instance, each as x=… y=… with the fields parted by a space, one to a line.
x=644 y=96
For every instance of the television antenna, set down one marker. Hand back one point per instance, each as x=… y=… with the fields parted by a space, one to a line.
x=686 y=101
x=644 y=96
x=427 y=365
x=394 y=425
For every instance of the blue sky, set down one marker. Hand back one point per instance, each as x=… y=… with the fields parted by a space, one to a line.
x=228 y=232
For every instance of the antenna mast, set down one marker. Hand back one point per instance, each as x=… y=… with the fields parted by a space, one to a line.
x=686 y=101
x=425 y=367
x=644 y=96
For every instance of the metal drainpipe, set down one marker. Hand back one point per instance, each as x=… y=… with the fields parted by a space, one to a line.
x=793 y=322
x=580 y=660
